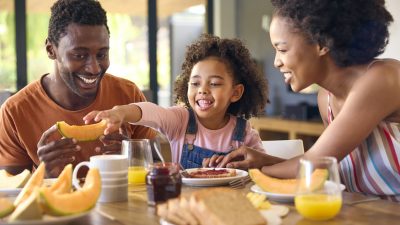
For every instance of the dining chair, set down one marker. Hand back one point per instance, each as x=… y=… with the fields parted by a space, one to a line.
x=285 y=149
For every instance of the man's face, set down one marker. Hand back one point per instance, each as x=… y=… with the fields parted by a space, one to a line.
x=82 y=58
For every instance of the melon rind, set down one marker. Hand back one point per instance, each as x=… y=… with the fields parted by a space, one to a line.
x=6 y=207
x=36 y=180
x=29 y=209
x=75 y=202
x=63 y=183
x=10 y=181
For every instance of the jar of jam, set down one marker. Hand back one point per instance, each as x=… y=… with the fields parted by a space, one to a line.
x=163 y=181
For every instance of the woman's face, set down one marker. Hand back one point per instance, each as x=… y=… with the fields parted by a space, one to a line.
x=296 y=57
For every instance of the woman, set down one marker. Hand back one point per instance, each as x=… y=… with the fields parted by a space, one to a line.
x=335 y=44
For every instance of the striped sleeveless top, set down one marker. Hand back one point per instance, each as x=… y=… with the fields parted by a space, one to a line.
x=373 y=167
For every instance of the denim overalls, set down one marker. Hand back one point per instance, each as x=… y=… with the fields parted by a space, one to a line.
x=192 y=155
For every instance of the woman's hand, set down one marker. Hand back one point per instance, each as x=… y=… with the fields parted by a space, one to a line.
x=247 y=158
x=56 y=154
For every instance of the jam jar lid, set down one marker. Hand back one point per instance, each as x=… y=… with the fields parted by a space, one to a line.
x=167 y=168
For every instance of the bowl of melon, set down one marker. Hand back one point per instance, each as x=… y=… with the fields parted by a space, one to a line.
x=40 y=202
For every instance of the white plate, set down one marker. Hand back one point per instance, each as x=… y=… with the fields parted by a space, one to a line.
x=273 y=196
x=15 y=191
x=10 y=191
x=282 y=197
x=47 y=220
x=204 y=182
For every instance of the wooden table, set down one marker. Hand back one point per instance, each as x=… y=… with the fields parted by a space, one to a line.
x=136 y=211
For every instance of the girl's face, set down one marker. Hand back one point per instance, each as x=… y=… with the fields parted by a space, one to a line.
x=296 y=57
x=211 y=90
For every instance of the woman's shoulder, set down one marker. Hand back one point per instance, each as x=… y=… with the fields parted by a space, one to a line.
x=381 y=75
x=384 y=67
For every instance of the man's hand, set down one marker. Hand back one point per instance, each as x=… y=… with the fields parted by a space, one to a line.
x=55 y=154
x=112 y=142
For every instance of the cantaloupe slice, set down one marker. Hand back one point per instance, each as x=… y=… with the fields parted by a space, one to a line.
x=285 y=186
x=18 y=181
x=4 y=173
x=75 y=202
x=6 y=207
x=36 y=180
x=63 y=184
x=82 y=133
x=29 y=209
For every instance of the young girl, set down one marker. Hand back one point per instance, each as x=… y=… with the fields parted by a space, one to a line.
x=334 y=44
x=219 y=88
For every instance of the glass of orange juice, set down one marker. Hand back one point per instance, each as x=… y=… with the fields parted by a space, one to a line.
x=140 y=158
x=318 y=196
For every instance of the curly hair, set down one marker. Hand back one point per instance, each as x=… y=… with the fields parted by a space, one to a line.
x=65 y=12
x=355 y=31
x=244 y=70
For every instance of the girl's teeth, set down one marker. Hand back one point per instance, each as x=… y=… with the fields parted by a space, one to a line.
x=204 y=103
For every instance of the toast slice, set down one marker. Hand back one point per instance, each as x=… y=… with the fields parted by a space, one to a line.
x=211 y=173
x=177 y=211
x=224 y=206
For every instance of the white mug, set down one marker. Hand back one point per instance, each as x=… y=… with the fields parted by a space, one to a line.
x=113 y=171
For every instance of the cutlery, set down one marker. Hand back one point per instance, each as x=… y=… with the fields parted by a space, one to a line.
x=108 y=216
x=158 y=152
x=239 y=183
x=184 y=173
x=363 y=201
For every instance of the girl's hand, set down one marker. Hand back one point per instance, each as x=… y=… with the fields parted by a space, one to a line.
x=213 y=161
x=114 y=118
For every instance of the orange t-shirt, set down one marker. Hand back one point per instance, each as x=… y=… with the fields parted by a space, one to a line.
x=27 y=114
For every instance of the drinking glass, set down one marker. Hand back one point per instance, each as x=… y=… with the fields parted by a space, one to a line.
x=318 y=195
x=140 y=158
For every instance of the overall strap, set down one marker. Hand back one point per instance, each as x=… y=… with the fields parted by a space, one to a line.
x=192 y=125
x=191 y=130
x=240 y=128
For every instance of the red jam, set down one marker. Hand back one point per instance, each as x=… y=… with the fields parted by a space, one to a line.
x=163 y=181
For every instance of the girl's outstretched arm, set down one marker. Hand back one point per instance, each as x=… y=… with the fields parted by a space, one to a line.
x=116 y=116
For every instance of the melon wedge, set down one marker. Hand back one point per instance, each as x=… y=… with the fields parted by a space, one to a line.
x=285 y=186
x=18 y=181
x=4 y=173
x=75 y=202
x=29 y=209
x=36 y=180
x=82 y=133
x=6 y=207
x=63 y=184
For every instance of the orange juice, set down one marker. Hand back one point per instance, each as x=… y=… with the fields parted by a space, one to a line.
x=318 y=206
x=137 y=175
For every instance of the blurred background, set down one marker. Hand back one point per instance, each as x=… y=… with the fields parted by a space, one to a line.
x=148 y=41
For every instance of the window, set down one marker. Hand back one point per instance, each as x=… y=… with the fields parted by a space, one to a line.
x=8 y=72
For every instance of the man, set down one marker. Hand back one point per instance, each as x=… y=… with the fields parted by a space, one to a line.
x=78 y=43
